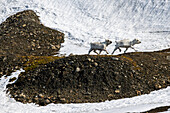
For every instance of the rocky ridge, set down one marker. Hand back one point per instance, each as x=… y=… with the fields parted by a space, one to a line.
x=23 y=34
x=88 y=78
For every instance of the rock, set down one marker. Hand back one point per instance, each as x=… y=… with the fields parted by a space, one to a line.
x=58 y=46
x=87 y=93
x=12 y=79
x=154 y=59
x=71 y=62
x=15 y=95
x=105 y=88
x=92 y=60
x=4 y=59
x=138 y=92
x=53 y=47
x=1 y=73
x=117 y=91
x=110 y=96
x=16 y=67
x=89 y=59
x=115 y=58
x=62 y=100
x=168 y=57
x=29 y=101
x=116 y=73
x=71 y=54
x=24 y=25
x=41 y=102
x=78 y=69
x=119 y=86
x=164 y=82
x=22 y=95
x=100 y=100
x=157 y=86
x=36 y=98
x=71 y=91
x=79 y=85
x=47 y=101
x=38 y=47
x=41 y=95
x=96 y=64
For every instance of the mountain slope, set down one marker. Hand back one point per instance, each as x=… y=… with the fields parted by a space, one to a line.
x=85 y=21
x=91 y=78
x=23 y=34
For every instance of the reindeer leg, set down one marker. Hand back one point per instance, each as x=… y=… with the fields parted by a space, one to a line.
x=96 y=52
x=119 y=49
x=89 y=51
x=114 y=50
x=100 y=52
x=126 y=50
x=134 y=49
x=106 y=51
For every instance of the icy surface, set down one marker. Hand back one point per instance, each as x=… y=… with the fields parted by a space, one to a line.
x=85 y=21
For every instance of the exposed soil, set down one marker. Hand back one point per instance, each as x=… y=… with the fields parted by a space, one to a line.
x=87 y=78
x=23 y=34
x=159 y=109
x=10 y=63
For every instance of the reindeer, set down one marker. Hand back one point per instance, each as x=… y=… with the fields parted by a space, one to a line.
x=101 y=46
x=125 y=44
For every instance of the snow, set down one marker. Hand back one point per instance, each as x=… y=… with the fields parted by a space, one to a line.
x=85 y=21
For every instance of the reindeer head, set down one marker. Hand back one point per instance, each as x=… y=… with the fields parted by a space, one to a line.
x=136 y=41
x=108 y=42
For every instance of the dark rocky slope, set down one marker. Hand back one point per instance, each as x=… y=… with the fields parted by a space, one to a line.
x=85 y=78
x=9 y=64
x=23 y=34
x=159 y=109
